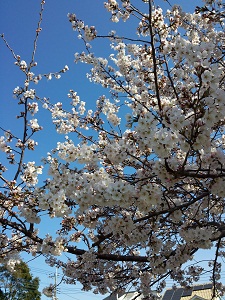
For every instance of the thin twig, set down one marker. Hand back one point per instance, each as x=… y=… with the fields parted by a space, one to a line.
x=38 y=30
x=215 y=267
x=154 y=56
x=8 y=46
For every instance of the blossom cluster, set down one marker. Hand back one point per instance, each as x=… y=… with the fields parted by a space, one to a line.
x=3 y=145
x=89 y=32
x=30 y=173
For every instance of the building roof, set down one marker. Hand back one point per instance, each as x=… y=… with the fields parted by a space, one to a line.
x=125 y=296
x=204 y=291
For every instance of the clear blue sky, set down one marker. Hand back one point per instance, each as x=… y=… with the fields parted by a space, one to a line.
x=56 y=47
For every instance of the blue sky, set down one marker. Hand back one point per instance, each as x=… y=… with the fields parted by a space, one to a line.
x=56 y=47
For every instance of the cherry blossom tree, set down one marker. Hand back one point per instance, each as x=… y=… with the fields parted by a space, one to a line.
x=141 y=189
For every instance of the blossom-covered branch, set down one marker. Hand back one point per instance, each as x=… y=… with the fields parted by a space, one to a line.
x=138 y=183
